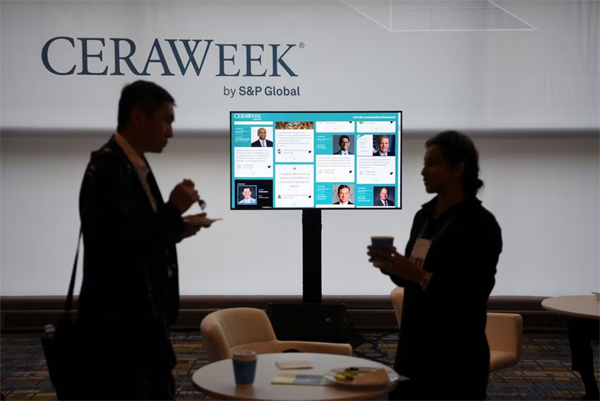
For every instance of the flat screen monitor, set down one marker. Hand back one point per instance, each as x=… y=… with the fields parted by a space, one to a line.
x=309 y=160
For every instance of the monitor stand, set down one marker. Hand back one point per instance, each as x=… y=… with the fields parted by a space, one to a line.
x=311 y=256
x=312 y=320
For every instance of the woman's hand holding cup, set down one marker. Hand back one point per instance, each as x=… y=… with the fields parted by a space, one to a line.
x=384 y=256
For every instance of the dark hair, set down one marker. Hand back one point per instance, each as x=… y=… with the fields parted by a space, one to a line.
x=144 y=94
x=342 y=137
x=342 y=187
x=458 y=148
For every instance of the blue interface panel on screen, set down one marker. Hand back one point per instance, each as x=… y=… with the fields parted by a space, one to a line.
x=307 y=160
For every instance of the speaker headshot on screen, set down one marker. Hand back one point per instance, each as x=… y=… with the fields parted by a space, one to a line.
x=262 y=141
x=384 y=145
x=343 y=194
x=382 y=197
x=246 y=195
x=344 y=143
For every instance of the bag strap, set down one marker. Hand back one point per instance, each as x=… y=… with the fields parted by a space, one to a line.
x=69 y=302
x=90 y=172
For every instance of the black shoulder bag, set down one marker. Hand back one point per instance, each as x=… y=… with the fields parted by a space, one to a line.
x=61 y=346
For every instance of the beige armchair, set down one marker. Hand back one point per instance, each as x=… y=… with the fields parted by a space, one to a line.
x=228 y=330
x=398 y=302
x=504 y=332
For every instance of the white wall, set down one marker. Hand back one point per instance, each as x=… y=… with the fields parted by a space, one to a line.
x=529 y=66
x=544 y=192
x=483 y=73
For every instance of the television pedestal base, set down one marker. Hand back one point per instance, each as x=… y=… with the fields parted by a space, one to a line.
x=309 y=322
x=312 y=320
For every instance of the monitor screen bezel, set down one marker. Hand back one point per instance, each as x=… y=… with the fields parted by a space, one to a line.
x=399 y=152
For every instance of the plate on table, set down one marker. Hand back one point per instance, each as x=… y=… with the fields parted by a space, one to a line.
x=205 y=222
x=362 y=376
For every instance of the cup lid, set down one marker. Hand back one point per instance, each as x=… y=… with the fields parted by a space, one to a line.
x=244 y=355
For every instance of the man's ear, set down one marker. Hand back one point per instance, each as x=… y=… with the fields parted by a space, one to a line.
x=136 y=117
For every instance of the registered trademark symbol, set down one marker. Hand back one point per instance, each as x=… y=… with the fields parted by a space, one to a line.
x=301 y=45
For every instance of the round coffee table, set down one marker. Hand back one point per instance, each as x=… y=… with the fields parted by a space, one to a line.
x=216 y=379
x=583 y=311
x=583 y=306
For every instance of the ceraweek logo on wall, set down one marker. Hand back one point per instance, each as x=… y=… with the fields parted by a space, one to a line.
x=234 y=60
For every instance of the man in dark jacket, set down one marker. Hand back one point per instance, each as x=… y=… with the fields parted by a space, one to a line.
x=130 y=291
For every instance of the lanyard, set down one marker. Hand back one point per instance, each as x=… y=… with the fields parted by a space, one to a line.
x=440 y=231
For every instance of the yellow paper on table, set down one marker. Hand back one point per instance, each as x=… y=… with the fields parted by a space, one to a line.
x=294 y=365
x=297 y=378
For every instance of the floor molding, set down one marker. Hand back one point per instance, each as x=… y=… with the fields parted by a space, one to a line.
x=366 y=313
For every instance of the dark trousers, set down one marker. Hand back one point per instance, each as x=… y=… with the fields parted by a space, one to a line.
x=581 y=333
x=440 y=373
x=120 y=366
x=443 y=390
x=118 y=383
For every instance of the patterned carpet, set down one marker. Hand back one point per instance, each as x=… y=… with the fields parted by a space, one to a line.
x=543 y=373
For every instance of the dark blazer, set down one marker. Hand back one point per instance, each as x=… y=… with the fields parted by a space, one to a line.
x=256 y=144
x=446 y=321
x=378 y=202
x=339 y=152
x=338 y=202
x=127 y=299
x=388 y=153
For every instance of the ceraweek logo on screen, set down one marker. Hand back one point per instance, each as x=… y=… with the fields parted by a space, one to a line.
x=250 y=116
x=176 y=57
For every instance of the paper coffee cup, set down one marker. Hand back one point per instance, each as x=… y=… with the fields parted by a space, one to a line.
x=244 y=367
x=378 y=241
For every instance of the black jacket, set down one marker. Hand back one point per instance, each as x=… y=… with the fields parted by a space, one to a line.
x=443 y=346
x=379 y=202
x=256 y=144
x=126 y=291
